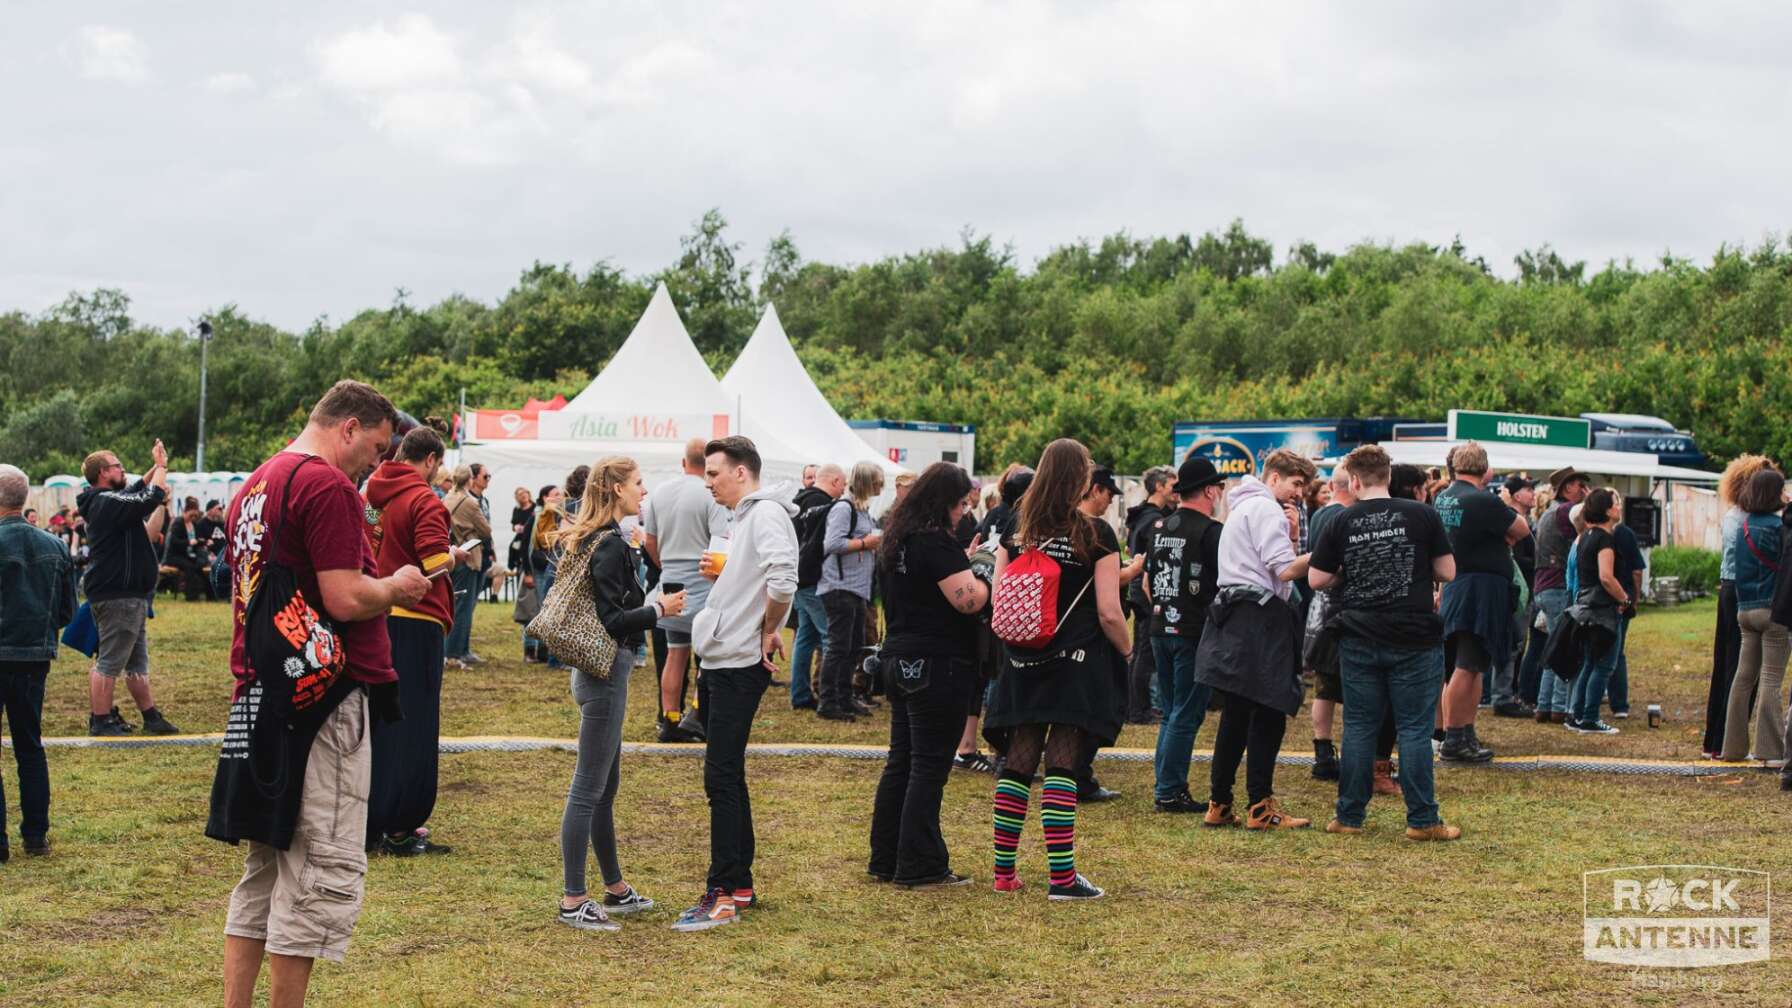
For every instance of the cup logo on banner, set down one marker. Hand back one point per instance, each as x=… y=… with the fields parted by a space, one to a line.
x=1229 y=456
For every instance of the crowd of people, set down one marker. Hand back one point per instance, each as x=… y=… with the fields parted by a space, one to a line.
x=1413 y=600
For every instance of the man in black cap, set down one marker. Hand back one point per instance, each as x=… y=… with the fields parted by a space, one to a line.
x=1181 y=566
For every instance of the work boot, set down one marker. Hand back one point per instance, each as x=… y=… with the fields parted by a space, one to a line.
x=1268 y=815
x=692 y=724
x=1325 y=760
x=1460 y=747
x=1441 y=831
x=118 y=719
x=1219 y=814
x=1383 y=782
x=102 y=726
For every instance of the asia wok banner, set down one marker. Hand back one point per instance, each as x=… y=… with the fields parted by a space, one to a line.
x=514 y=425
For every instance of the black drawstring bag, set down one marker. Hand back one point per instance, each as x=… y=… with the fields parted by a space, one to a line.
x=301 y=674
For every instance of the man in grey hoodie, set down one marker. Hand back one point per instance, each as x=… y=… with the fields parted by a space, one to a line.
x=736 y=637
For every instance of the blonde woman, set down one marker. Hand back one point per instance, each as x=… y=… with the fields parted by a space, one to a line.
x=848 y=547
x=595 y=548
x=1726 y=645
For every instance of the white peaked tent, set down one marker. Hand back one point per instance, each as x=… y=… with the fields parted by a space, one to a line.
x=776 y=395
x=652 y=396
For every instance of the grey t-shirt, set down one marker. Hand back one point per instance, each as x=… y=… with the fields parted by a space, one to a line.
x=683 y=516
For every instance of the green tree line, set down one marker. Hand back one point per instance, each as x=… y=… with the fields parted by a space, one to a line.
x=1110 y=341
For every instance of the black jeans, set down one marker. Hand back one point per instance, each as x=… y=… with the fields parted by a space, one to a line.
x=1246 y=727
x=730 y=696
x=406 y=753
x=927 y=712
x=846 y=638
x=1144 y=666
x=22 y=697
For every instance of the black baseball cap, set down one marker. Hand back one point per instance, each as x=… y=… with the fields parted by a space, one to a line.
x=1103 y=479
x=1519 y=481
x=1196 y=472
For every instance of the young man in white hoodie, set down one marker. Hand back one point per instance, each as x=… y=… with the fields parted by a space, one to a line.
x=1250 y=649
x=736 y=637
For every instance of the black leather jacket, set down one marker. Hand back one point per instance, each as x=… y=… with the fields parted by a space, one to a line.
x=616 y=587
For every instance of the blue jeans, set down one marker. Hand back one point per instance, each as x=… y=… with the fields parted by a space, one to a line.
x=811 y=640
x=1618 y=690
x=1409 y=679
x=1595 y=674
x=1552 y=691
x=1185 y=707
x=466 y=595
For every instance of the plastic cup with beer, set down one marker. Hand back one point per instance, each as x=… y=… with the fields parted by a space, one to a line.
x=714 y=558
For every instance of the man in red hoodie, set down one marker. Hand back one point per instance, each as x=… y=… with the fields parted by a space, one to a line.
x=407 y=525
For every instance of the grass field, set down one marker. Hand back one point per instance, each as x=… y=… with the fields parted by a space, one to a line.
x=128 y=910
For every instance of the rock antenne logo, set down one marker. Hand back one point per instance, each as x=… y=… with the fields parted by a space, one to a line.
x=1676 y=915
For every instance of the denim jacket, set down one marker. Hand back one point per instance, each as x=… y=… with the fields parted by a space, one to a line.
x=37 y=591
x=1756 y=544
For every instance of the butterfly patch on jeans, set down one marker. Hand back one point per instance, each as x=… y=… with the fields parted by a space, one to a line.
x=911 y=671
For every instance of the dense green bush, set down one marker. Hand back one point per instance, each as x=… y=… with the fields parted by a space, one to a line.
x=1109 y=341
x=1696 y=568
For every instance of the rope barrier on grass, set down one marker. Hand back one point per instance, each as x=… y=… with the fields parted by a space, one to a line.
x=498 y=743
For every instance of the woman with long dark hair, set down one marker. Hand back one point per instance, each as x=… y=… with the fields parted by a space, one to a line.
x=1053 y=700
x=1603 y=595
x=928 y=663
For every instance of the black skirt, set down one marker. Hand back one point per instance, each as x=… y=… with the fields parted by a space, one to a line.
x=1085 y=688
x=1726 y=653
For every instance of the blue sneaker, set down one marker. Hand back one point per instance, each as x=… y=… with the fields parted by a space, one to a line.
x=715 y=909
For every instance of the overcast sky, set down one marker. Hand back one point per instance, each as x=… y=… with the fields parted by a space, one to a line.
x=307 y=159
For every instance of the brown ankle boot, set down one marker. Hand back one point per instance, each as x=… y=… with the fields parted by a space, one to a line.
x=1266 y=814
x=1219 y=814
x=1439 y=832
x=1383 y=783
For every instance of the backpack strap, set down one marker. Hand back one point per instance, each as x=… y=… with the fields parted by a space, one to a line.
x=1750 y=539
x=852 y=525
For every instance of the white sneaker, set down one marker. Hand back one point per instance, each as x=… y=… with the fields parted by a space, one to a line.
x=588 y=916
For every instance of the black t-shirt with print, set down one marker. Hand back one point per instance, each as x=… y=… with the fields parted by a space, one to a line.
x=920 y=620
x=1078 y=622
x=1382 y=550
x=1182 y=562
x=1477 y=522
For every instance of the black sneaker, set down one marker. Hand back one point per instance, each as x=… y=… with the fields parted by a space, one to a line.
x=1183 y=803
x=829 y=714
x=1593 y=727
x=627 y=903
x=405 y=845
x=118 y=719
x=1081 y=889
x=973 y=761
x=1514 y=709
x=806 y=705
x=860 y=707
x=39 y=847
x=588 y=916
x=1462 y=748
x=1095 y=793
x=103 y=726
x=671 y=731
x=5 y=852
x=430 y=846
x=1786 y=783
x=155 y=724
x=947 y=881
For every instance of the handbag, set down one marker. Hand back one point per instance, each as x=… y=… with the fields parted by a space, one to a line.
x=567 y=623
x=528 y=605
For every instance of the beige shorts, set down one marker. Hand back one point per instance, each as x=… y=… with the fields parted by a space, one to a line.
x=303 y=901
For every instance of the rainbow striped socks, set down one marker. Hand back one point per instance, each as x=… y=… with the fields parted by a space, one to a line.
x=1013 y=791
x=1057 y=813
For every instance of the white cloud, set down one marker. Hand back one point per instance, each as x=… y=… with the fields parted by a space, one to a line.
x=107 y=53
x=231 y=82
x=410 y=52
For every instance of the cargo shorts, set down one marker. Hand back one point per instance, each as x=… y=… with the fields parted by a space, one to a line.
x=303 y=901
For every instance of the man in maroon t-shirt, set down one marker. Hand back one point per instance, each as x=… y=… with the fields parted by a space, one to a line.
x=301 y=903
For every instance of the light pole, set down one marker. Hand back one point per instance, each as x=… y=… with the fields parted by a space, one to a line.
x=205 y=338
